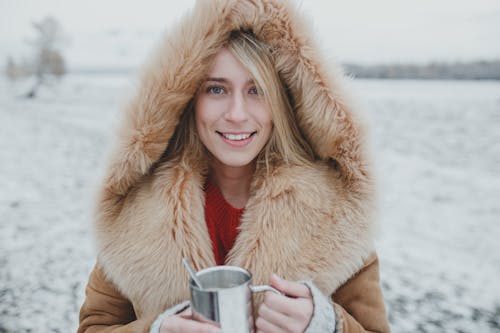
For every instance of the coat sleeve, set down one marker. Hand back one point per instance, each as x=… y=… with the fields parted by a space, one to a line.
x=358 y=303
x=105 y=310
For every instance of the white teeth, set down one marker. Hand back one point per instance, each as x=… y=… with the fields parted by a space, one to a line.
x=236 y=137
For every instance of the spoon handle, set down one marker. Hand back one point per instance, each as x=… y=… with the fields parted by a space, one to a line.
x=192 y=273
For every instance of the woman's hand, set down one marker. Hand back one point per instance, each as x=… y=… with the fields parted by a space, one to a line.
x=183 y=323
x=291 y=313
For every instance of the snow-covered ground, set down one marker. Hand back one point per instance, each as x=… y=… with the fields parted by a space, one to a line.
x=437 y=155
x=437 y=150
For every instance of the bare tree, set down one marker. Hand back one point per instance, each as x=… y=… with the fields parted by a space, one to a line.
x=48 y=58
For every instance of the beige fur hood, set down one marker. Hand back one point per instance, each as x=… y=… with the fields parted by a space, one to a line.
x=313 y=223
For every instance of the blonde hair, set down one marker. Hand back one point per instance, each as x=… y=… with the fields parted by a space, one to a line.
x=286 y=143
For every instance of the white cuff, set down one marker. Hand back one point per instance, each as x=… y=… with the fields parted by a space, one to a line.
x=155 y=327
x=323 y=319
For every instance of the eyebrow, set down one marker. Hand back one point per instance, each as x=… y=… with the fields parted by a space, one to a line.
x=223 y=80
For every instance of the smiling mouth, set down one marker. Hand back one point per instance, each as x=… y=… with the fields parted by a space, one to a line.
x=236 y=137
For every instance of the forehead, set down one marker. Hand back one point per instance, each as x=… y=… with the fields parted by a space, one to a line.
x=226 y=66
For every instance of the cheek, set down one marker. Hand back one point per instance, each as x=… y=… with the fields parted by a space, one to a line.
x=201 y=112
x=261 y=113
x=267 y=124
x=197 y=121
x=207 y=111
x=266 y=119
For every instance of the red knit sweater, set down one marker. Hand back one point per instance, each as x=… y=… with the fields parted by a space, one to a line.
x=222 y=221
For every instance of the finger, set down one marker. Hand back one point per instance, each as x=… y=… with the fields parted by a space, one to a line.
x=290 y=288
x=177 y=324
x=291 y=307
x=276 y=318
x=267 y=327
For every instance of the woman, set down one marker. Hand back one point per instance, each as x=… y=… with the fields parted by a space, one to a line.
x=238 y=149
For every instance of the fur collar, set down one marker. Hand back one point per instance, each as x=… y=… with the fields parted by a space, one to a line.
x=300 y=223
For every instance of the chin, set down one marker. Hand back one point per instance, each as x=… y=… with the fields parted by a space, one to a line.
x=236 y=162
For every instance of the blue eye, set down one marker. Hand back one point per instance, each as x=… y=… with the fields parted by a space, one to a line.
x=254 y=91
x=215 y=90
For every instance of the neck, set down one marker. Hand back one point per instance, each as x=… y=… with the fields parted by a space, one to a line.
x=233 y=182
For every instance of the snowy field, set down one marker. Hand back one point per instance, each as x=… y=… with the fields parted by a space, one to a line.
x=437 y=155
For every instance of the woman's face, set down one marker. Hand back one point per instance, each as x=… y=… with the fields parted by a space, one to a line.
x=232 y=119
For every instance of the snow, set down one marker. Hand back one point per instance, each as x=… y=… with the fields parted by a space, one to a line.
x=437 y=151
x=437 y=158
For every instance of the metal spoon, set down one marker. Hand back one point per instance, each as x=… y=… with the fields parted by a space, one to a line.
x=192 y=273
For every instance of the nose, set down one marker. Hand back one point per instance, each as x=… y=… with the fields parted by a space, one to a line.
x=237 y=110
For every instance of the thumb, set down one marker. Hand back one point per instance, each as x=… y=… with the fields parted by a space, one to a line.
x=290 y=288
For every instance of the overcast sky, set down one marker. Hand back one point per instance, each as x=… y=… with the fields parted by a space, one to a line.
x=120 y=32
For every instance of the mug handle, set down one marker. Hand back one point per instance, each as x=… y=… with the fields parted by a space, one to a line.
x=259 y=289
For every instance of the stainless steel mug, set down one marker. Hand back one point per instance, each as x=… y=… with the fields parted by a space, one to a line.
x=225 y=298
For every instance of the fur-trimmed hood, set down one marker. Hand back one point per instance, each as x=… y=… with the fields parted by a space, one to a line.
x=303 y=223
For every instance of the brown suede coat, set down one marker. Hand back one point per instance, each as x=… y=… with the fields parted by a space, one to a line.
x=303 y=223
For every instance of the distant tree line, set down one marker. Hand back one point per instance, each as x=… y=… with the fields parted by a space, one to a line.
x=477 y=70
